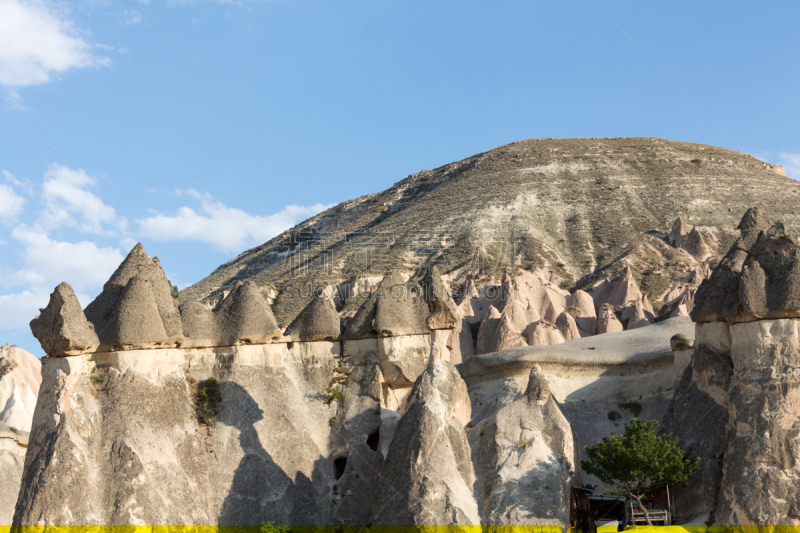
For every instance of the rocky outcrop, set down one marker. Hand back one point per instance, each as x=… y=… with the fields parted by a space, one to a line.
x=429 y=457
x=607 y=321
x=394 y=308
x=689 y=239
x=740 y=381
x=150 y=289
x=13 y=445
x=20 y=378
x=318 y=321
x=61 y=327
x=525 y=457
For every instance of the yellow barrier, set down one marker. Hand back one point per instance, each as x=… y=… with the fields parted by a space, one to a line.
x=390 y=529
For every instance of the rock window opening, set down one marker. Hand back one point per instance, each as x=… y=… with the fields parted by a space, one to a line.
x=339 y=464
x=373 y=439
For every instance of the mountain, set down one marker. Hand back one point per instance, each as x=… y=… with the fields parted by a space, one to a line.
x=578 y=209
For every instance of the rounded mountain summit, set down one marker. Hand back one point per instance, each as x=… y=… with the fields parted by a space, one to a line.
x=575 y=209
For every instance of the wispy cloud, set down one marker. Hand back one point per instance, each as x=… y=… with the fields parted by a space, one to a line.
x=70 y=201
x=37 y=40
x=226 y=229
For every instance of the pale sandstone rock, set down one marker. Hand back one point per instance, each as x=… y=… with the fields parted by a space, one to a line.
x=543 y=333
x=586 y=316
x=568 y=327
x=607 y=321
x=639 y=318
x=429 y=456
x=525 y=459
x=20 y=378
x=506 y=336
x=13 y=445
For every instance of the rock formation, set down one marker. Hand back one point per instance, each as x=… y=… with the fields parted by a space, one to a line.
x=738 y=387
x=525 y=459
x=62 y=328
x=319 y=321
x=20 y=378
x=13 y=445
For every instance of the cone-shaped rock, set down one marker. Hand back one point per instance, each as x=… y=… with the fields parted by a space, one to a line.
x=245 y=317
x=138 y=263
x=135 y=319
x=429 y=456
x=360 y=326
x=62 y=328
x=530 y=435
x=400 y=308
x=199 y=322
x=318 y=321
x=505 y=336
x=608 y=322
x=441 y=307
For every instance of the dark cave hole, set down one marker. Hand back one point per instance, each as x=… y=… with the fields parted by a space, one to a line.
x=373 y=439
x=339 y=464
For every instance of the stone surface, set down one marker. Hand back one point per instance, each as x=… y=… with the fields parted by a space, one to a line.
x=61 y=327
x=525 y=460
x=148 y=269
x=317 y=321
x=13 y=445
x=428 y=461
x=617 y=367
x=20 y=378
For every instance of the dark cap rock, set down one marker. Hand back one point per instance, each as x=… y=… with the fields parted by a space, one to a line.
x=61 y=327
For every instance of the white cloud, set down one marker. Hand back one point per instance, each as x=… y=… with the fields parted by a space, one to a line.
x=38 y=40
x=10 y=203
x=225 y=229
x=791 y=164
x=46 y=263
x=70 y=201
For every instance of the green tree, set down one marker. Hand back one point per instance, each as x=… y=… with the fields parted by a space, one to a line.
x=174 y=290
x=639 y=461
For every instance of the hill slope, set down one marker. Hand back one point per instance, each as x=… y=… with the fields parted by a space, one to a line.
x=577 y=208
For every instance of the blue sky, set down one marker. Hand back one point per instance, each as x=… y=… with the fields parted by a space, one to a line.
x=205 y=128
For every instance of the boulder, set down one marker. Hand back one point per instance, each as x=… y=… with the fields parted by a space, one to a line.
x=61 y=327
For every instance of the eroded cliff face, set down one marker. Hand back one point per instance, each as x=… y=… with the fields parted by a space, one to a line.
x=227 y=420
x=736 y=405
